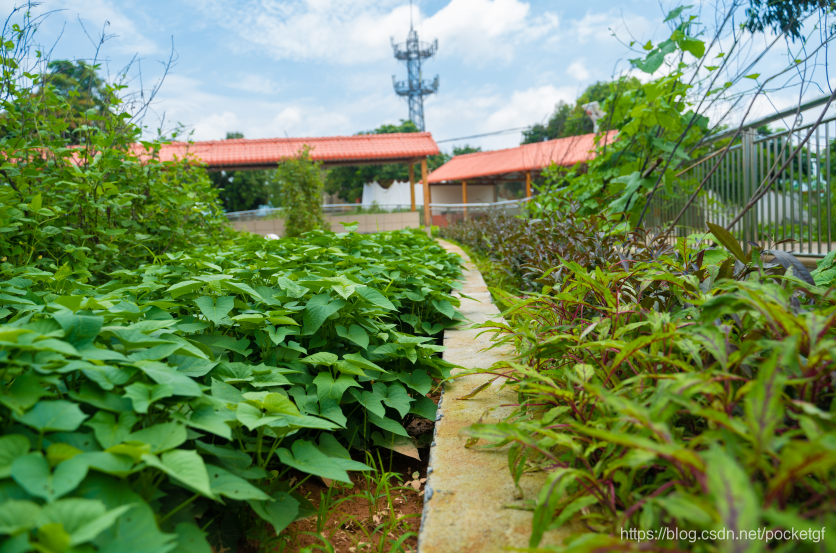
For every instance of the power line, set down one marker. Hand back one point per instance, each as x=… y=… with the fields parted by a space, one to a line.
x=481 y=135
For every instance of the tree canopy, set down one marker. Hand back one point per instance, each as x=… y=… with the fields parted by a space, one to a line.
x=347 y=182
x=82 y=89
x=783 y=15
x=570 y=119
x=245 y=190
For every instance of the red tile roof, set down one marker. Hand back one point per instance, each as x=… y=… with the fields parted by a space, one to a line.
x=528 y=157
x=267 y=152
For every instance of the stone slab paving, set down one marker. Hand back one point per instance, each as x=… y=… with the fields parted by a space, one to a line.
x=468 y=489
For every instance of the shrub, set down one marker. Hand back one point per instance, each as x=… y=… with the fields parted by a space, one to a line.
x=300 y=192
x=105 y=204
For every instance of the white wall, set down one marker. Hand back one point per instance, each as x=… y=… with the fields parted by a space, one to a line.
x=452 y=194
x=398 y=194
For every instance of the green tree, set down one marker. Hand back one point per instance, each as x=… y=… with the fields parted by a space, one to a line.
x=570 y=119
x=82 y=89
x=300 y=188
x=347 y=182
x=245 y=190
x=783 y=15
x=97 y=206
x=466 y=149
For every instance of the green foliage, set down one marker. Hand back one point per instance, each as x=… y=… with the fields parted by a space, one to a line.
x=108 y=204
x=80 y=87
x=158 y=380
x=683 y=386
x=571 y=120
x=347 y=181
x=653 y=121
x=300 y=189
x=245 y=190
x=783 y=15
x=205 y=377
x=466 y=149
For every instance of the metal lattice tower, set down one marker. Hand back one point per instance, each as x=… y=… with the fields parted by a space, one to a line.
x=413 y=52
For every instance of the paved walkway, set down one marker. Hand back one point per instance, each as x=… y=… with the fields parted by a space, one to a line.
x=468 y=488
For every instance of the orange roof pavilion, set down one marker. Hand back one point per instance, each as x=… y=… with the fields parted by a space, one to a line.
x=266 y=153
x=516 y=164
x=528 y=157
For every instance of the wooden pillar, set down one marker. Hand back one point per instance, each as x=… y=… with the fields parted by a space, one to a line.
x=464 y=197
x=528 y=184
x=428 y=221
x=412 y=186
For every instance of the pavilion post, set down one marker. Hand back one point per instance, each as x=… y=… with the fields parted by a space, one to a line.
x=464 y=197
x=412 y=186
x=427 y=198
x=528 y=184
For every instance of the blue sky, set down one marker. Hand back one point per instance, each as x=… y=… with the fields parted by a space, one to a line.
x=324 y=67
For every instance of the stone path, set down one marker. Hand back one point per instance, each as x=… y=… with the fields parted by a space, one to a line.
x=468 y=488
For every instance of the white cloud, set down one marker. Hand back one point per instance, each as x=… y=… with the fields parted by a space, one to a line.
x=102 y=16
x=578 y=70
x=355 y=31
x=487 y=111
x=478 y=29
x=254 y=83
x=214 y=126
x=298 y=120
x=530 y=106
x=600 y=27
x=211 y=115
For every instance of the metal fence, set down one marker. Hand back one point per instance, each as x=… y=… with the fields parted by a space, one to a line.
x=329 y=209
x=798 y=206
x=442 y=214
x=445 y=215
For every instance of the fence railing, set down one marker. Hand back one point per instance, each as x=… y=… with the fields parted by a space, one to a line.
x=798 y=206
x=442 y=214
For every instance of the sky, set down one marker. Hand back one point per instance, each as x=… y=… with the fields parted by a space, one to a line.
x=274 y=68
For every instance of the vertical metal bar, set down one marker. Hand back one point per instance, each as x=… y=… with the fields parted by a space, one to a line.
x=801 y=180
x=809 y=198
x=722 y=182
x=747 y=190
x=737 y=189
x=739 y=192
x=791 y=187
x=767 y=208
x=818 y=189
x=781 y=158
x=729 y=163
x=751 y=177
x=704 y=199
x=827 y=187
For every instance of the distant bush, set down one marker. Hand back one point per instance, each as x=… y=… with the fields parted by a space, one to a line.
x=92 y=197
x=300 y=190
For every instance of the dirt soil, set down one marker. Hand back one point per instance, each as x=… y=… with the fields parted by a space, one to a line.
x=354 y=525
x=355 y=520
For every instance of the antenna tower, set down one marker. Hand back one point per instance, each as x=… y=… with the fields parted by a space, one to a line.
x=413 y=52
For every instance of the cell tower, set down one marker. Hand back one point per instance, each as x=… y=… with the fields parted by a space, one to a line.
x=413 y=52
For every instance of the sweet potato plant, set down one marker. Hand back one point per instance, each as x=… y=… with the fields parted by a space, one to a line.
x=133 y=410
x=166 y=383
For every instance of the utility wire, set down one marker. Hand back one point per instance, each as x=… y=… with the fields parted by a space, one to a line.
x=481 y=135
